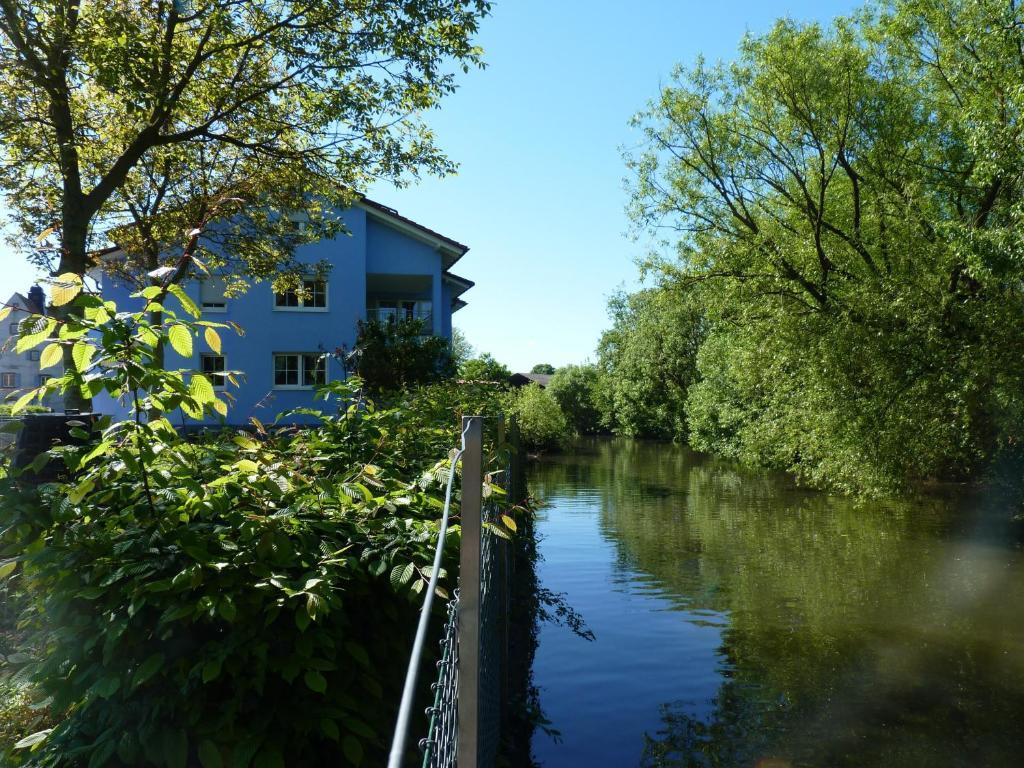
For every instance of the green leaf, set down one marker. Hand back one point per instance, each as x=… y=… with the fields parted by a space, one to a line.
x=247 y=465
x=401 y=574
x=30 y=741
x=147 y=669
x=52 y=354
x=211 y=670
x=186 y=300
x=181 y=339
x=315 y=681
x=6 y=569
x=76 y=494
x=509 y=522
x=65 y=288
x=22 y=401
x=82 y=354
x=42 y=328
x=201 y=389
x=212 y=339
x=330 y=729
x=209 y=755
x=353 y=749
x=4 y=312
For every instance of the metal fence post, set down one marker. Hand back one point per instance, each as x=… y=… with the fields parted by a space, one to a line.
x=469 y=593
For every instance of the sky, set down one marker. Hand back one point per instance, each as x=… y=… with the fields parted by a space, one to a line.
x=538 y=135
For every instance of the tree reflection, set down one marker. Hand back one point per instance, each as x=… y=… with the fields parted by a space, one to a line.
x=881 y=634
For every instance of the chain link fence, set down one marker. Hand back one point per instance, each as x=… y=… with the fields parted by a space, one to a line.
x=470 y=691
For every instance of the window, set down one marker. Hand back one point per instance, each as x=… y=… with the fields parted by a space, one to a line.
x=43 y=378
x=33 y=355
x=14 y=328
x=300 y=370
x=8 y=380
x=315 y=296
x=212 y=367
x=211 y=294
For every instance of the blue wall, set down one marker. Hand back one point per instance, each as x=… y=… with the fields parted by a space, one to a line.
x=370 y=246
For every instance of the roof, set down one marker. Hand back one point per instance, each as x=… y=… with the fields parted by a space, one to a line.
x=394 y=216
x=460 y=284
x=27 y=303
x=522 y=379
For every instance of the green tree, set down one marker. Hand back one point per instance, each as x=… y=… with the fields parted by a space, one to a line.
x=462 y=350
x=541 y=422
x=484 y=368
x=309 y=100
x=545 y=368
x=648 y=362
x=849 y=203
x=576 y=389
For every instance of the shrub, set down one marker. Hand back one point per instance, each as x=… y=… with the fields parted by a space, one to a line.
x=541 y=422
x=394 y=355
x=232 y=600
x=576 y=390
x=484 y=368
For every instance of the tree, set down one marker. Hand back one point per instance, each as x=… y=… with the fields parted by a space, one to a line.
x=462 y=350
x=309 y=100
x=545 y=368
x=577 y=390
x=541 y=422
x=484 y=368
x=845 y=206
x=648 y=362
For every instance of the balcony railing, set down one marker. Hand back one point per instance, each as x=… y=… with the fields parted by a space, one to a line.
x=393 y=315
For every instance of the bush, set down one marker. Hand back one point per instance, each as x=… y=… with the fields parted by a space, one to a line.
x=541 y=422
x=232 y=600
x=395 y=355
x=484 y=368
x=576 y=390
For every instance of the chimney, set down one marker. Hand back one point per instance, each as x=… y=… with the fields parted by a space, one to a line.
x=37 y=299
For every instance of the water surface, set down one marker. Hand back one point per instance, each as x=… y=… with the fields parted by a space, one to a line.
x=741 y=621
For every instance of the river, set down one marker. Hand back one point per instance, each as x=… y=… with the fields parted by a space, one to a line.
x=741 y=621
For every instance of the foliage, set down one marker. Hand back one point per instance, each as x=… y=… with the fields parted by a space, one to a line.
x=5 y=410
x=108 y=105
x=462 y=350
x=484 y=368
x=576 y=389
x=546 y=368
x=847 y=208
x=648 y=362
x=233 y=599
x=395 y=354
x=541 y=422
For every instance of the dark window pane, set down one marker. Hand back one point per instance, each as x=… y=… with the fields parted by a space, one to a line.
x=314 y=369
x=286 y=370
x=286 y=299
x=316 y=293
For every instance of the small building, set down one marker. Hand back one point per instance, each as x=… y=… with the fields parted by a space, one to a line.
x=385 y=267
x=523 y=379
x=20 y=370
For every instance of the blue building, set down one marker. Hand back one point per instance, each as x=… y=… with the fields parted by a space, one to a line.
x=386 y=266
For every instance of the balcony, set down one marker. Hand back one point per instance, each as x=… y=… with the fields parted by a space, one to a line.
x=385 y=315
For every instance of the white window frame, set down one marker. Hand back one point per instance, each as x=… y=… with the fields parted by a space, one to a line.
x=218 y=382
x=212 y=307
x=13 y=377
x=301 y=307
x=301 y=370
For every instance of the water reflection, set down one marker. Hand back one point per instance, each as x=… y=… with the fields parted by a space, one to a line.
x=742 y=621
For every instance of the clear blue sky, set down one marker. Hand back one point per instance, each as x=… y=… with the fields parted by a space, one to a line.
x=539 y=197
